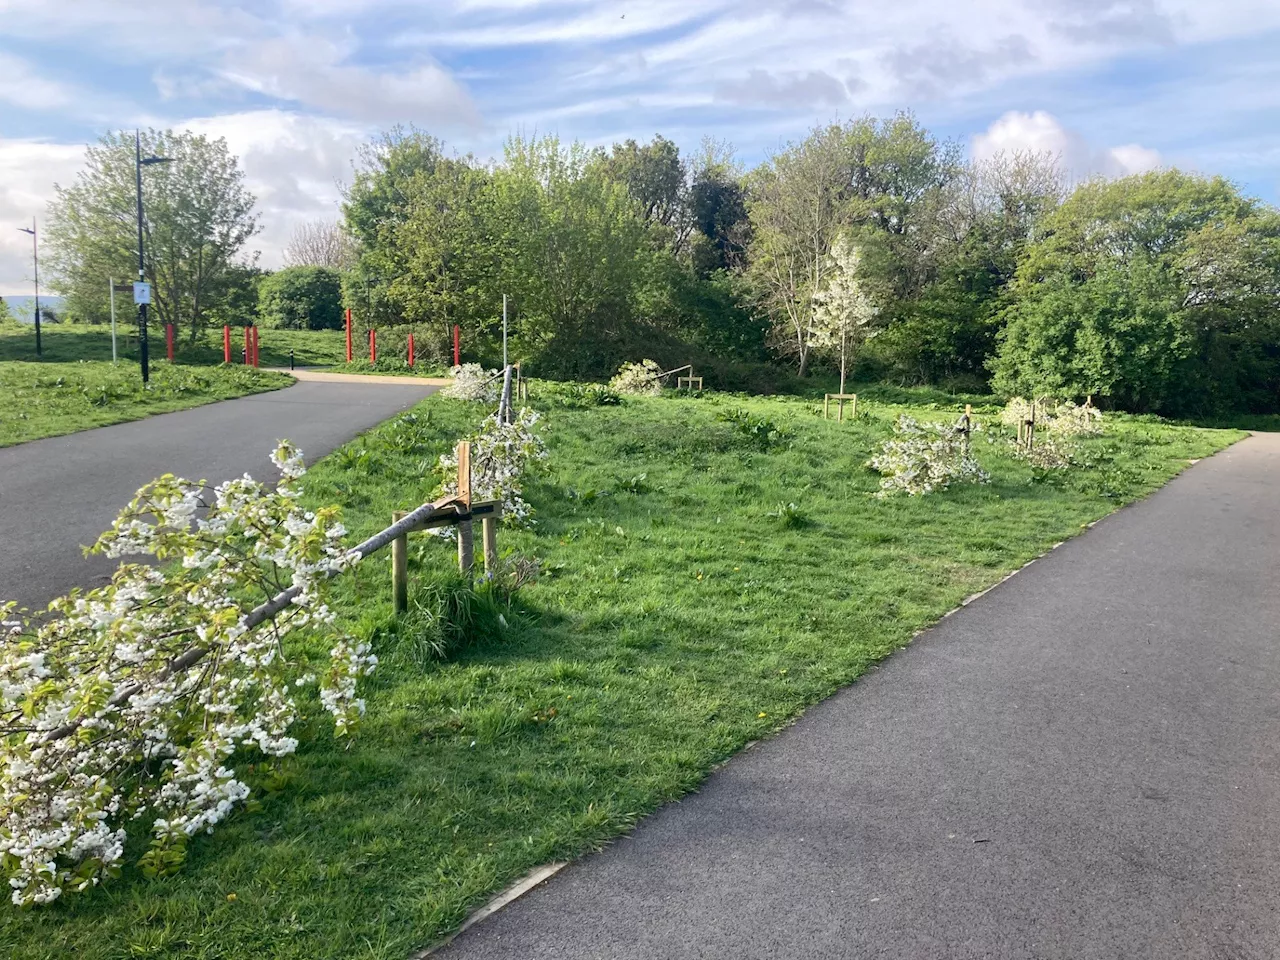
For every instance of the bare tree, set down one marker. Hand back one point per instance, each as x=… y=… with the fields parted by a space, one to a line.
x=320 y=243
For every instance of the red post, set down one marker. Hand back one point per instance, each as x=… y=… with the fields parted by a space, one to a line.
x=255 y=346
x=411 y=351
x=226 y=344
x=348 y=334
x=248 y=347
x=168 y=340
x=373 y=346
x=457 y=345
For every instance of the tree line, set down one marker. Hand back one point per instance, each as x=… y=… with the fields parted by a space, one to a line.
x=870 y=247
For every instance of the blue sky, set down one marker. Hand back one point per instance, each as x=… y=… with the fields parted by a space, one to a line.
x=1112 y=86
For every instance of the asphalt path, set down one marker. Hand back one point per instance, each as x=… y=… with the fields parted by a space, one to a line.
x=1083 y=764
x=59 y=494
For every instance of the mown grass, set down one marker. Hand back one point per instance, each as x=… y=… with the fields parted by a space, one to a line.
x=686 y=608
x=52 y=399
x=74 y=342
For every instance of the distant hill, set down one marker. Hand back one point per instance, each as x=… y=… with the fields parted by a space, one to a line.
x=21 y=307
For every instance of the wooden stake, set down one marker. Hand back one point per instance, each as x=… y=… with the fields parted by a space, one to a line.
x=466 y=546
x=489 y=537
x=399 y=568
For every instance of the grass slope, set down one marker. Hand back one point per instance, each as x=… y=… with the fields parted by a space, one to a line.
x=51 y=399
x=74 y=342
x=682 y=615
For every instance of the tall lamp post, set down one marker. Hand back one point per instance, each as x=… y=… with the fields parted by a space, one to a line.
x=35 y=259
x=143 y=300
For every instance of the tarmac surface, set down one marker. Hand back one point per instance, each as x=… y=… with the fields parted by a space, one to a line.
x=61 y=493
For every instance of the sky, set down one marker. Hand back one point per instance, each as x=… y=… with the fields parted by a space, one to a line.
x=296 y=86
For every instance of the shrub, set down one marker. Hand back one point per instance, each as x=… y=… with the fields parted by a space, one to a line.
x=760 y=431
x=301 y=298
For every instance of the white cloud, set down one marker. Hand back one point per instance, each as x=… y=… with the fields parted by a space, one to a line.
x=1041 y=132
x=28 y=168
x=296 y=165
x=22 y=86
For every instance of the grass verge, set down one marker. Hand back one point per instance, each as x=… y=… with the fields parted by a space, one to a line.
x=49 y=399
x=705 y=580
x=63 y=343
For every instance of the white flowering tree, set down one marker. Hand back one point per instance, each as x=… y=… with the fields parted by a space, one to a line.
x=126 y=704
x=501 y=453
x=924 y=457
x=843 y=311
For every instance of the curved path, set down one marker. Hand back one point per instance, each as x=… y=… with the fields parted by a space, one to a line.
x=1083 y=764
x=59 y=494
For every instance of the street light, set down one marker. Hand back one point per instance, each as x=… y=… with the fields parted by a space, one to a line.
x=143 y=300
x=35 y=259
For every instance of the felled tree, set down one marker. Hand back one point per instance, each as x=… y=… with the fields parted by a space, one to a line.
x=843 y=311
x=126 y=703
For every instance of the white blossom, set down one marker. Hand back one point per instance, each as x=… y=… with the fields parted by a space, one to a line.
x=638 y=379
x=98 y=729
x=924 y=457
x=500 y=455
x=473 y=382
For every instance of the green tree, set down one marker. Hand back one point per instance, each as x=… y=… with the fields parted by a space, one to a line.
x=418 y=217
x=199 y=216
x=987 y=216
x=1158 y=292
x=656 y=178
x=718 y=211
x=880 y=181
x=302 y=298
x=237 y=305
x=573 y=249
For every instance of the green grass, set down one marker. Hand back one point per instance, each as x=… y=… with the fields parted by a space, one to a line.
x=393 y=367
x=50 y=399
x=686 y=609
x=74 y=342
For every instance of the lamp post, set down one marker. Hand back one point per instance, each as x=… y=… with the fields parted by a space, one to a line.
x=35 y=259
x=143 y=301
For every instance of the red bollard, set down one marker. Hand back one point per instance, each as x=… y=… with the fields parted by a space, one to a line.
x=457 y=345
x=255 y=346
x=168 y=340
x=226 y=344
x=348 y=334
x=248 y=347
x=411 y=351
x=373 y=346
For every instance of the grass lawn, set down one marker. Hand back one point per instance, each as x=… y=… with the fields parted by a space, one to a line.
x=49 y=399
x=683 y=612
x=74 y=342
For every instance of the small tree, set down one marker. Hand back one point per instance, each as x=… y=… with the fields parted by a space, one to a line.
x=321 y=243
x=301 y=298
x=843 y=312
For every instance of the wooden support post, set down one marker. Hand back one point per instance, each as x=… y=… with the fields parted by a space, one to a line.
x=826 y=406
x=466 y=546
x=489 y=537
x=400 y=568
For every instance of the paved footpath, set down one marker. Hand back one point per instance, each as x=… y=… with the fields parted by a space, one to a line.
x=59 y=494
x=1083 y=764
